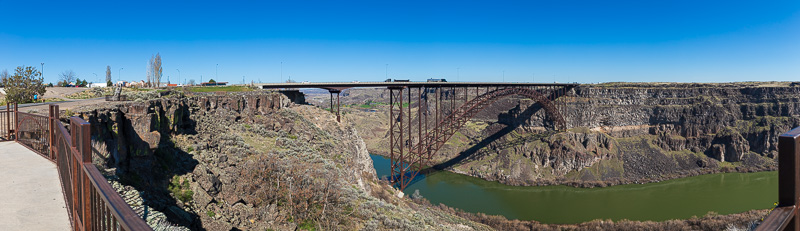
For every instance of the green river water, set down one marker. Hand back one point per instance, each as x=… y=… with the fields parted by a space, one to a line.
x=683 y=198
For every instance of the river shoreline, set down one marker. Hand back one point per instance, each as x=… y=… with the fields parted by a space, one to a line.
x=611 y=182
x=560 y=204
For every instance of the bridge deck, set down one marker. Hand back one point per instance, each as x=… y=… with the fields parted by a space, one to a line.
x=30 y=193
x=407 y=84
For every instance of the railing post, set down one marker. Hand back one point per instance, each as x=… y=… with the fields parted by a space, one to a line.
x=74 y=161
x=50 y=133
x=8 y=120
x=85 y=149
x=789 y=174
x=16 y=122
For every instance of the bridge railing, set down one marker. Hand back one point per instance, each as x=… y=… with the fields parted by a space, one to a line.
x=785 y=215
x=7 y=123
x=33 y=132
x=92 y=203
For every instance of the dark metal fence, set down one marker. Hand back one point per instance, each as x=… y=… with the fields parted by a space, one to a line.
x=7 y=123
x=785 y=215
x=33 y=132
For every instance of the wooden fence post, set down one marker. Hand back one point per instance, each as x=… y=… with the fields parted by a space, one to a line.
x=789 y=174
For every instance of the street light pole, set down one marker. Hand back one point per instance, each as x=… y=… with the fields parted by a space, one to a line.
x=42 y=71
x=95 y=75
x=179 y=76
x=119 y=73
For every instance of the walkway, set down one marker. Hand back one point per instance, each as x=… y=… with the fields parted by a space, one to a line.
x=30 y=192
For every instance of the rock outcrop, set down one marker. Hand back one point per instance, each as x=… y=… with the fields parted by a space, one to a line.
x=248 y=161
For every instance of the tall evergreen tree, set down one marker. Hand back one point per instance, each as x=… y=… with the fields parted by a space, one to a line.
x=108 y=75
x=23 y=85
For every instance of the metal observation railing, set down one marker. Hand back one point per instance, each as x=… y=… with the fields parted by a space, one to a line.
x=92 y=203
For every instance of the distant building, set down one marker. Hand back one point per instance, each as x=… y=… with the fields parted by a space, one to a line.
x=140 y=84
x=93 y=85
x=214 y=84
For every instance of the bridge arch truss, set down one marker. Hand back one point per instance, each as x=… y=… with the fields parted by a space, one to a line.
x=423 y=118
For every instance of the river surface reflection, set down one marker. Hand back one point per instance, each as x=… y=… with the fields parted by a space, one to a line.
x=683 y=198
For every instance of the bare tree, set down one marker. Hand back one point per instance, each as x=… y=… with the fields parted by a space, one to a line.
x=150 y=72
x=3 y=75
x=191 y=82
x=154 y=71
x=67 y=77
x=108 y=75
x=157 y=69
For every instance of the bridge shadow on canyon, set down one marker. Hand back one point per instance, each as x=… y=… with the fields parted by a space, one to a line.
x=473 y=152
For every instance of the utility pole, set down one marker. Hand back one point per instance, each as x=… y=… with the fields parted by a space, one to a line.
x=42 y=72
x=179 y=76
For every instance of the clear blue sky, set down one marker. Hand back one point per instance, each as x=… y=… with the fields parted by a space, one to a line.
x=545 y=41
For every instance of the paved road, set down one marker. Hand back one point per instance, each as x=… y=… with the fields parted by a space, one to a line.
x=30 y=191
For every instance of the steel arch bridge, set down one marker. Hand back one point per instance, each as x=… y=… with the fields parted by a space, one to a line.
x=414 y=137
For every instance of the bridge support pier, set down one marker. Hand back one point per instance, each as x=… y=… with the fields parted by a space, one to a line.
x=338 y=111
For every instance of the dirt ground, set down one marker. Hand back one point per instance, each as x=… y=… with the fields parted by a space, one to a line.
x=62 y=92
x=64 y=105
x=59 y=92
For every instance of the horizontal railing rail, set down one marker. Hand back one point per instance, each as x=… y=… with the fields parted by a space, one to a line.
x=785 y=215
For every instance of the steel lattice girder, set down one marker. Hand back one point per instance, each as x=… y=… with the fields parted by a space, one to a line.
x=406 y=163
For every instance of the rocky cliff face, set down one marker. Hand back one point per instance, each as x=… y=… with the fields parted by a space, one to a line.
x=618 y=133
x=650 y=132
x=248 y=161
